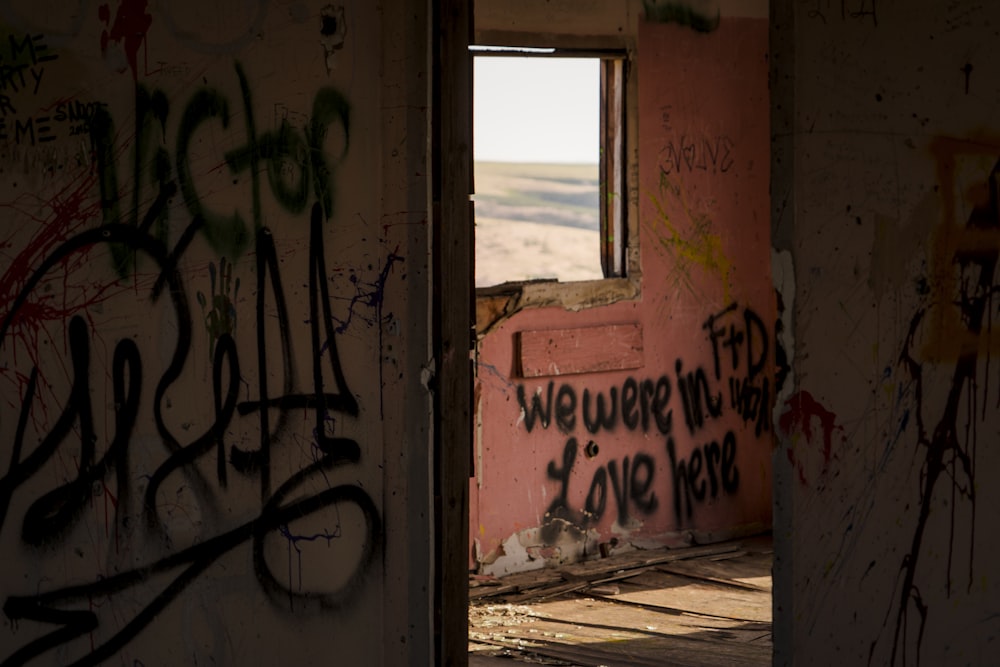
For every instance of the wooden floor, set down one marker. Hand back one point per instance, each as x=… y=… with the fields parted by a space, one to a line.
x=696 y=606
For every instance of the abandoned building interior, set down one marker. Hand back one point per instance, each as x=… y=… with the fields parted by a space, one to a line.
x=275 y=386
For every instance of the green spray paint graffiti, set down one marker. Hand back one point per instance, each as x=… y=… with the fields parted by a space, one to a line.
x=221 y=318
x=681 y=13
x=296 y=161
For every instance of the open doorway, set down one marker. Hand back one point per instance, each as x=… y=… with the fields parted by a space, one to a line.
x=629 y=409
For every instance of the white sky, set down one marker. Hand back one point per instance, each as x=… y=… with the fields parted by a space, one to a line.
x=536 y=109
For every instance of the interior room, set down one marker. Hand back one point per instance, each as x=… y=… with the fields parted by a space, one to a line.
x=432 y=332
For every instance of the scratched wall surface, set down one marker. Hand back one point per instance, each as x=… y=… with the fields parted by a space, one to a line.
x=206 y=344
x=659 y=432
x=887 y=148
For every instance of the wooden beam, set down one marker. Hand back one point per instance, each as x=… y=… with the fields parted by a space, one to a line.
x=454 y=326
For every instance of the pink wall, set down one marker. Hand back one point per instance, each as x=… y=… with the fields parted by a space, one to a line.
x=704 y=247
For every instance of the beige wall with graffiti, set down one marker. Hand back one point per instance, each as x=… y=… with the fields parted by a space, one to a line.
x=885 y=214
x=213 y=295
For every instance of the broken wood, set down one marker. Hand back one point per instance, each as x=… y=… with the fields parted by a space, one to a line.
x=546 y=583
x=682 y=570
x=668 y=609
x=672 y=606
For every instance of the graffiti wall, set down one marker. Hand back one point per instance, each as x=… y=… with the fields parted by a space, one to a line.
x=885 y=222
x=205 y=353
x=648 y=421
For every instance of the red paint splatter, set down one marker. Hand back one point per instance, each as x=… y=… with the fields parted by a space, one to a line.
x=129 y=30
x=791 y=459
x=800 y=411
x=70 y=210
x=64 y=214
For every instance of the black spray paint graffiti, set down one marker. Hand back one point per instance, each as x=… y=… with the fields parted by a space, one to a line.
x=740 y=347
x=23 y=62
x=711 y=154
x=861 y=10
x=749 y=393
x=719 y=465
x=56 y=511
x=709 y=469
x=949 y=449
x=73 y=432
x=641 y=404
x=631 y=485
x=699 y=402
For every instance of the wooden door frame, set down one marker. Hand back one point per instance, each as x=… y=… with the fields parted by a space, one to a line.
x=453 y=322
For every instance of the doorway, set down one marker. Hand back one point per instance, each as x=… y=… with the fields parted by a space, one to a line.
x=631 y=410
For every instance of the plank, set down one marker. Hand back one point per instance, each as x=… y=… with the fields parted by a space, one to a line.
x=598 y=612
x=655 y=617
x=667 y=591
x=598 y=569
x=518 y=583
x=536 y=595
x=595 y=570
x=580 y=630
x=752 y=573
x=594 y=646
x=580 y=350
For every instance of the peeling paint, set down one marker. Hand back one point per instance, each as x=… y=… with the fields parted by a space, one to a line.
x=528 y=550
x=496 y=305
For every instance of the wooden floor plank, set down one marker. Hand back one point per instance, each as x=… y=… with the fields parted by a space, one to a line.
x=598 y=569
x=524 y=582
x=671 y=607
x=732 y=573
x=748 y=565
x=676 y=592
x=597 y=612
x=627 y=652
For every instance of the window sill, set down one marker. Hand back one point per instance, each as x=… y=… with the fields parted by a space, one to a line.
x=497 y=303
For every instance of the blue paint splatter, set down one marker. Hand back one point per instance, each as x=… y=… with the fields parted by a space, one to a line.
x=368 y=294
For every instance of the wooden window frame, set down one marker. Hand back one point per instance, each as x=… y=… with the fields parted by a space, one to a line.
x=618 y=169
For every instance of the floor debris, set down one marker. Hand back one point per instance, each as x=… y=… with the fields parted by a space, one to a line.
x=694 y=606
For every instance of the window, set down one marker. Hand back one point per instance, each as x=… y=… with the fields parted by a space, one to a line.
x=549 y=138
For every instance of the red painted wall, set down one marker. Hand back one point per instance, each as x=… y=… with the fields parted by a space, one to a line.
x=685 y=451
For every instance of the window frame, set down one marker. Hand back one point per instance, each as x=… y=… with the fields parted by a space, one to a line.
x=614 y=235
x=619 y=179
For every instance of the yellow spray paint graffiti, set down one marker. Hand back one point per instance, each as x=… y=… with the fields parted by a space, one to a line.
x=697 y=245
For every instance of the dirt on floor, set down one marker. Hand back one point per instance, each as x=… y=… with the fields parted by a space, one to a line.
x=697 y=606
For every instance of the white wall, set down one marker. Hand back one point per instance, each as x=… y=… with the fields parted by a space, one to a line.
x=885 y=230
x=214 y=277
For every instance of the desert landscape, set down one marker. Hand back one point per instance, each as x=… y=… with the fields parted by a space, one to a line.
x=536 y=222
